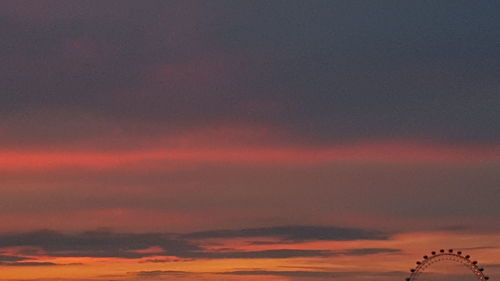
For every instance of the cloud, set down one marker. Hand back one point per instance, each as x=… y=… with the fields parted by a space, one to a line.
x=294 y=233
x=370 y=251
x=281 y=273
x=30 y=264
x=157 y=273
x=180 y=246
x=166 y=260
x=266 y=254
x=21 y=261
x=97 y=243
x=10 y=258
x=313 y=274
x=290 y=253
x=216 y=151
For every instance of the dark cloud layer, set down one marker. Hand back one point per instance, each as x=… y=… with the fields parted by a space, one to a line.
x=324 y=70
x=370 y=251
x=269 y=254
x=294 y=233
x=157 y=273
x=125 y=245
x=10 y=258
x=282 y=273
x=316 y=274
x=30 y=264
x=97 y=244
x=20 y=261
x=313 y=274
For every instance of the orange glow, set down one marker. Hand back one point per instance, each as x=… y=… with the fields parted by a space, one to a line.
x=289 y=155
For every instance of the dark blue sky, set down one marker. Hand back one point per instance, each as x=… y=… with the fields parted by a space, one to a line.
x=325 y=71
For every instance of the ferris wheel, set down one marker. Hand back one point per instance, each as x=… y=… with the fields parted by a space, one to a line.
x=449 y=255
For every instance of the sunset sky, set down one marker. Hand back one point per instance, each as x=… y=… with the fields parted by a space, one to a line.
x=247 y=140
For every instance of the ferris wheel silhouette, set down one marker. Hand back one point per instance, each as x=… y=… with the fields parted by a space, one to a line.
x=449 y=255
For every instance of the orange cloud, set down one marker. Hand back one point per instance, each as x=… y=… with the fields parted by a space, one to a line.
x=383 y=152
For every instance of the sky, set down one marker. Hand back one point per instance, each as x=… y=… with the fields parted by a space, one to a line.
x=247 y=140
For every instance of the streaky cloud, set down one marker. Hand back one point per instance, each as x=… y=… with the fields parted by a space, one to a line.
x=312 y=274
x=295 y=233
x=102 y=244
x=97 y=243
x=30 y=264
x=370 y=251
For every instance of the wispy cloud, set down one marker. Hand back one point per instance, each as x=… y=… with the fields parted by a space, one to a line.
x=30 y=264
x=267 y=254
x=157 y=273
x=370 y=251
x=312 y=274
x=294 y=233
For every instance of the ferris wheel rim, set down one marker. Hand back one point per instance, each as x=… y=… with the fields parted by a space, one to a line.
x=447 y=255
